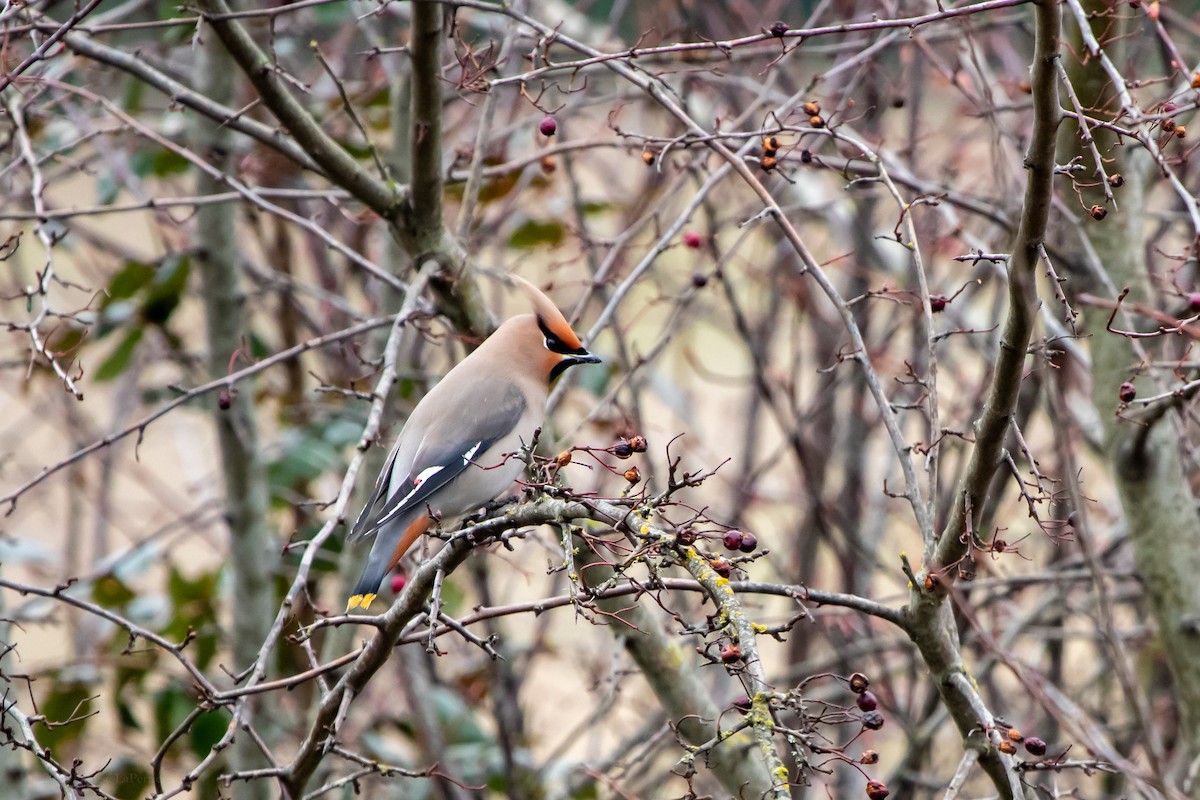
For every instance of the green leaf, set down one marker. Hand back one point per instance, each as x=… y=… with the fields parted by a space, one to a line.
x=537 y=232
x=195 y=610
x=119 y=358
x=106 y=190
x=306 y=456
x=126 y=717
x=65 y=701
x=171 y=707
x=161 y=163
x=166 y=290
x=110 y=592
x=128 y=780
x=207 y=730
x=125 y=284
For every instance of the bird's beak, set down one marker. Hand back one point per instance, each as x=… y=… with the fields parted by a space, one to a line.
x=582 y=358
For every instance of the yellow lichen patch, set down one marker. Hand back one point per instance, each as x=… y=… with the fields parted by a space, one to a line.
x=722 y=581
x=758 y=628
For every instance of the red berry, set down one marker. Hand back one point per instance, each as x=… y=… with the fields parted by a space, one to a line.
x=1126 y=392
x=937 y=303
x=867 y=701
x=693 y=240
x=742 y=704
x=749 y=543
x=225 y=399
x=399 y=581
x=721 y=567
x=731 y=653
x=1035 y=746
x=548 y=127
x=1194 y=301
x=876 y=790
x=732 y=540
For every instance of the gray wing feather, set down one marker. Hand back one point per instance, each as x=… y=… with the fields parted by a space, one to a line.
x=440 y=465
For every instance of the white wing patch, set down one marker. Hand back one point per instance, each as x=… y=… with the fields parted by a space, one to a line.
x=423 y=476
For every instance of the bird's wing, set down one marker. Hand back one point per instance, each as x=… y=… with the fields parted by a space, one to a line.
x=434 y=467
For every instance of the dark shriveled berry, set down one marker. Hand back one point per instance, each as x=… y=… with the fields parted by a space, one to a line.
x=1006 y=747
x=1035 y=746
x=859 y=683
x=876 y=790
x=1098 y=212
x=869 y=757
x=873 y=720
x=633 y=475
x=778 y=29
x=1126 y=391
x=638 y=443
x=621 y=450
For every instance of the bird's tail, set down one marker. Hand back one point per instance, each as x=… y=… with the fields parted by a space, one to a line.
x=384 y=556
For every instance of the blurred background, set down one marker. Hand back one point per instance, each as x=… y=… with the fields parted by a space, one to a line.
x=165 y=227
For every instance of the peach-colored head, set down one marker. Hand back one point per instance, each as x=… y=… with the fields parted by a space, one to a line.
x=561 y=347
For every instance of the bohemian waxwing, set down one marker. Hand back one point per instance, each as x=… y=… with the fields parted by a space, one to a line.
x=460 y=447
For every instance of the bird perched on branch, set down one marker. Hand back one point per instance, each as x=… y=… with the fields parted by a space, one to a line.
x=460 y=447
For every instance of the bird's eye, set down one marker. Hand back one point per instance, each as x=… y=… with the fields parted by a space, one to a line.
x=553 y=345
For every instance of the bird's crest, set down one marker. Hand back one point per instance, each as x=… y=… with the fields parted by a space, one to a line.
x=547 y=313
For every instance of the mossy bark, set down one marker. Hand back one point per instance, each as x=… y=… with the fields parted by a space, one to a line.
x=1147 y=467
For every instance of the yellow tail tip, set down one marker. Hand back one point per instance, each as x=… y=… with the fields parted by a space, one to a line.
x=359 y=601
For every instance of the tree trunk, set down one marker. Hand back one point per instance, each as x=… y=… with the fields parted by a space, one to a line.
x=252 y=551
